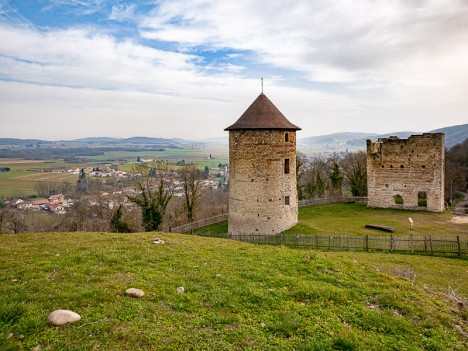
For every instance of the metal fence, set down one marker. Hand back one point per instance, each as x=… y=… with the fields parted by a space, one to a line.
x=391 y=243
x=188 y=228
x=332 y=200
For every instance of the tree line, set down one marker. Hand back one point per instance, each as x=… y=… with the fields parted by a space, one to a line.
x=331 y=177
x=456 y=170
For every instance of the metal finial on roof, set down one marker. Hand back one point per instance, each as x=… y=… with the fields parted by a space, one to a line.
x=262 y=84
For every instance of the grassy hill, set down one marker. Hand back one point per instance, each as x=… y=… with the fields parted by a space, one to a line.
x=237 y=296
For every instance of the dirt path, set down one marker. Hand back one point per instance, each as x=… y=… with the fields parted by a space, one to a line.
x=460 y=211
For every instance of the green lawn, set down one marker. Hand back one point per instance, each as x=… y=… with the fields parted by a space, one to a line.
x=350 y=219
x=237 y=296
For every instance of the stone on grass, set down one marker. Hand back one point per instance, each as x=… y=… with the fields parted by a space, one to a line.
x=62 y=317
x=133 y=292
x=158 y=241
x=180 y=289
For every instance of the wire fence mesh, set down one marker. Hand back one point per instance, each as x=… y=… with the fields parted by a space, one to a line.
x=392 y=243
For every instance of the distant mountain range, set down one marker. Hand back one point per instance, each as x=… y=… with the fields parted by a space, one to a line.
x=133 y=140
x=453 y=135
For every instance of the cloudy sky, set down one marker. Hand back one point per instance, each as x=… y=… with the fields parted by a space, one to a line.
x=190 y=68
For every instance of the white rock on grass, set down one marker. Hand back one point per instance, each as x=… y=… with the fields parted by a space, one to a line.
x=158 y=241
x=133 y=292
x=62 y=317
x=180 y=289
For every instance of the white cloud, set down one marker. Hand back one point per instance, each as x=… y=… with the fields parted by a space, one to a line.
x=375 y=66
x=332 y=41
x=80 y=7
x=122 y=12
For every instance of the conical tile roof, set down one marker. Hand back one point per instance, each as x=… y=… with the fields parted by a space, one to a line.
x=262 y=114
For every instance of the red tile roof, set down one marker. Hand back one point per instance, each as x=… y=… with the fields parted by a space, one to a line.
x=262 y=114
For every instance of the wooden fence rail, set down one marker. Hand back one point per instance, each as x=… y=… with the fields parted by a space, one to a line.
x=424 y=244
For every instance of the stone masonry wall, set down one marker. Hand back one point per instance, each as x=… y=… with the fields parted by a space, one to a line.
x=406 y=167
x=258 y=185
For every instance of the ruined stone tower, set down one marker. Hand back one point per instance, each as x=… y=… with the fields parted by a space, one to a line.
x=262 y=180
x=407 y=173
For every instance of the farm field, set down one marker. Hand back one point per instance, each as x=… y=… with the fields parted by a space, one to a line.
x=237 y=296
x=198 y=155
x=24 y=174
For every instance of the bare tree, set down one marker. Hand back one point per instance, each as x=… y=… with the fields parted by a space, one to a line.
x=354 y=166
x=12 y=222
x=315 y=179
x=156 y=189
x=300 y=158
x=190 y=176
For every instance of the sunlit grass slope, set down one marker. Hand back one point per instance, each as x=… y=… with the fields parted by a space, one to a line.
x=237 y=296
x=350 y=219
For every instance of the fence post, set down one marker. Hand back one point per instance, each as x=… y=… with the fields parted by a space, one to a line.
x=425 y=244
x=316 y=241
x=329 y=241
x=411 y=243
x=459 y=245
x=391 y=243
x=367 y=242
x=297 y=241
x=348 y=241
x=430 y=243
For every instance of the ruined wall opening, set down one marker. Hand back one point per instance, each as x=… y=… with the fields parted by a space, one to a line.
x=286 y=166
x=398 y=200
x=286 y=200
x=286 y=137
x=422 y=199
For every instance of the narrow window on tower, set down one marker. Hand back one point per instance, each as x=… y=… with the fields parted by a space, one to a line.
x=286 y=200
x=286 y=166
x=286 y=137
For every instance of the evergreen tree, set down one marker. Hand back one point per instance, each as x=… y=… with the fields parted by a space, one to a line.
x=319 y=186
x=82 y=181
x=336 y=179
x=116 y=223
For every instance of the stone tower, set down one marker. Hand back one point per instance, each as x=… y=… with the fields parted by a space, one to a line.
x=262 y=180
x=407 y=173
